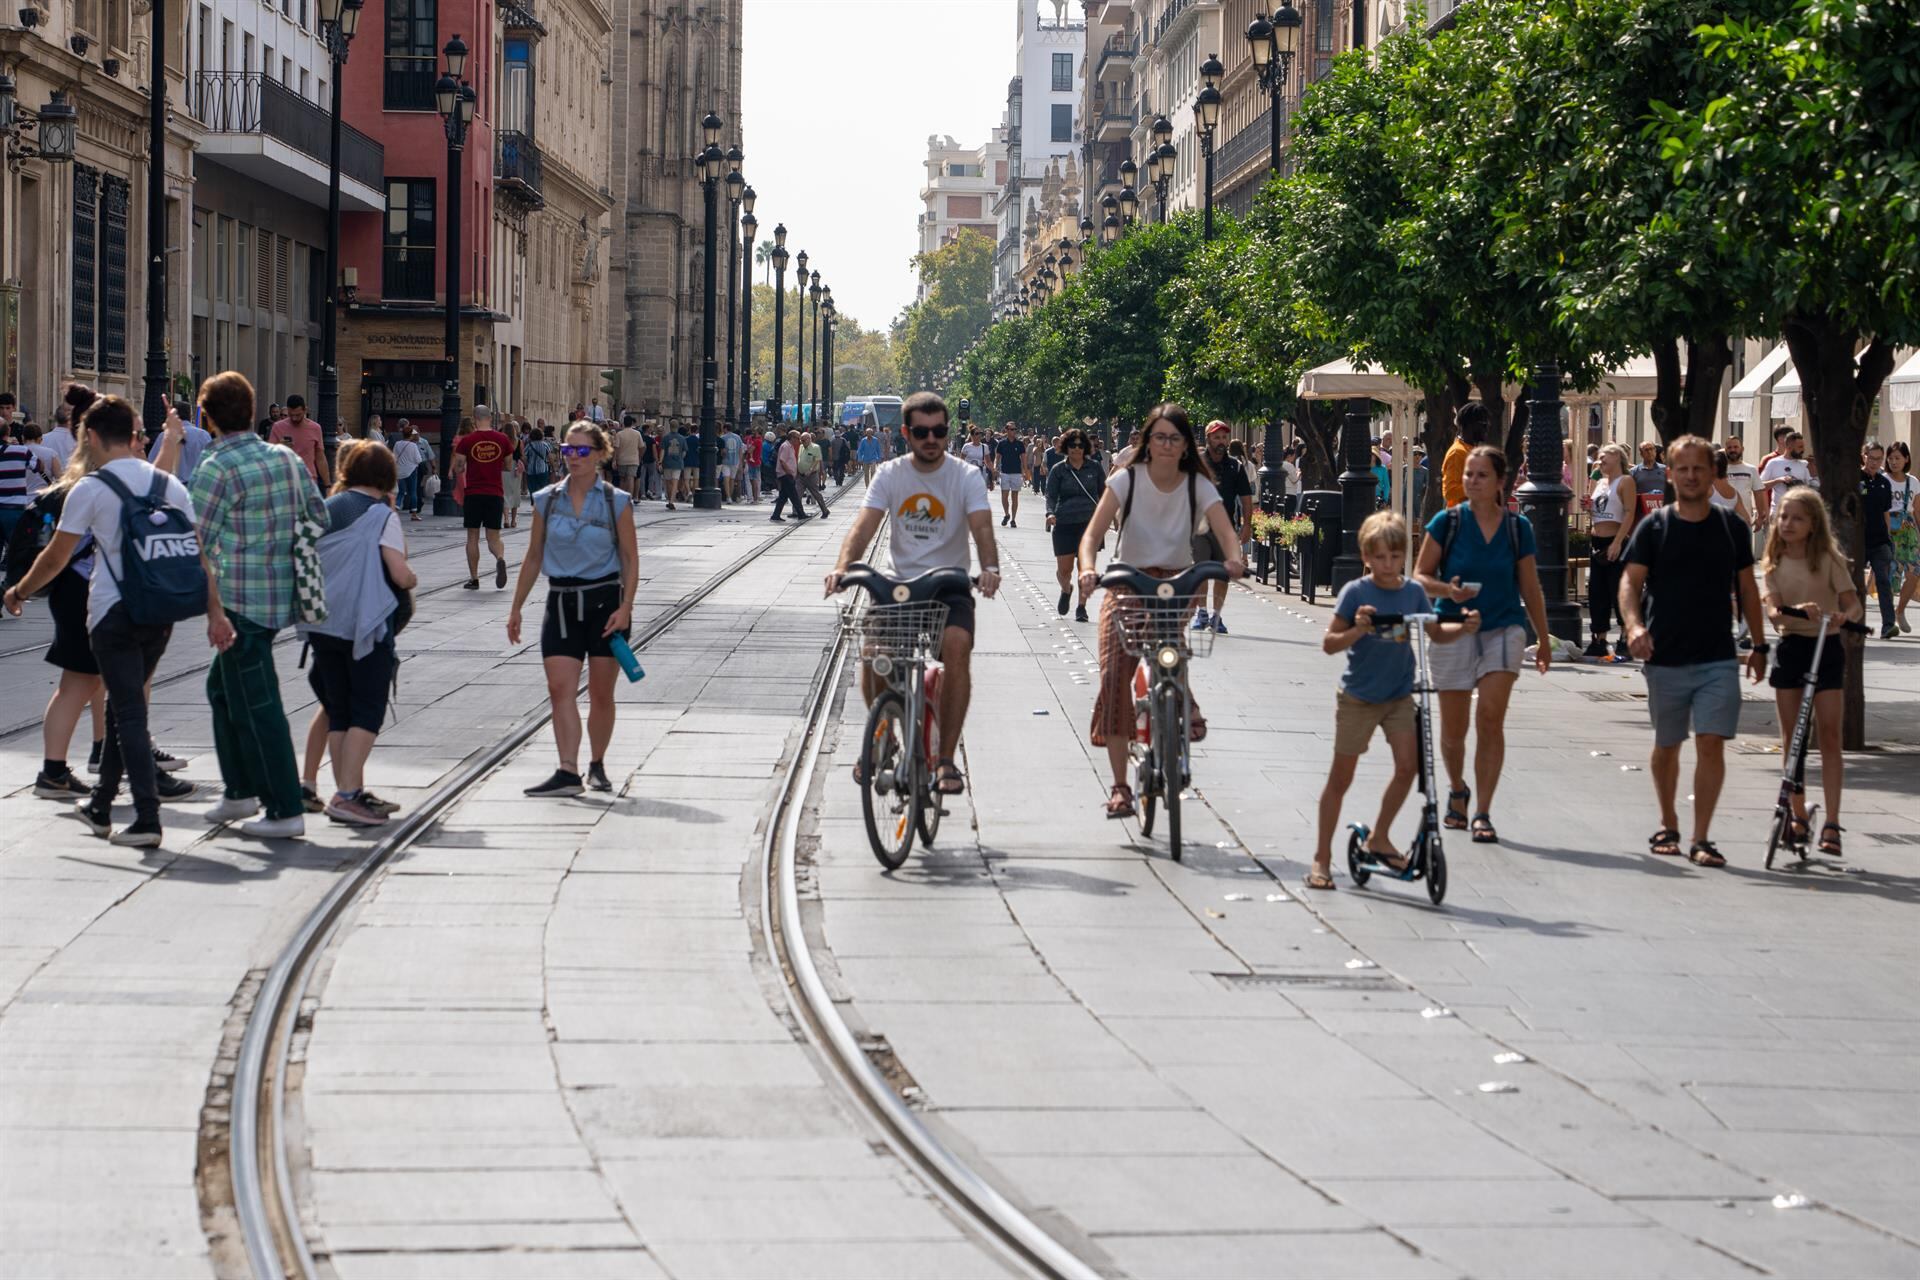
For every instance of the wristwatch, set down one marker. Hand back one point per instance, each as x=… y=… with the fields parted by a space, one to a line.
x=1762 y=649
x=990 y=568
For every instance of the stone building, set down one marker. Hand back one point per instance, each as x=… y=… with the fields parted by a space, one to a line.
x=673 y=61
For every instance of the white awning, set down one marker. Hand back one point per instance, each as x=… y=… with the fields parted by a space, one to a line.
x=1744 y=401
x=1341 y=380
x=1786 y=396
x=1903 y=388
x=1634 y=380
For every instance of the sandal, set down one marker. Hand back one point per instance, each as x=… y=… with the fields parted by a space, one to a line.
x=1830 y=845
x=1703 y=854
x=1394 y=862
x=1318 y=879
x=1483 y=832
x=1798 y=829
x=1665 y=842
x=1120 y=801
x=947 y=779
x=1456 y=819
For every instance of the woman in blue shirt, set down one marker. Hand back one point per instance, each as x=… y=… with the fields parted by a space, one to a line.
x=583 y=540
x=1480 y=551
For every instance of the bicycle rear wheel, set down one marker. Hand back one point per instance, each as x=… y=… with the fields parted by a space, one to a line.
x=888 y=760
x=1172 y=732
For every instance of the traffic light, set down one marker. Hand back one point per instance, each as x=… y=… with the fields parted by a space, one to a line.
x=610 y=387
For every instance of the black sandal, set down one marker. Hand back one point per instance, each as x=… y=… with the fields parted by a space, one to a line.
x=1703 y=854
x=1483 y=832
x=1830 y=845
x=1456 y=819
x=947 y=779
x=1120 y=801
x=1665 y=842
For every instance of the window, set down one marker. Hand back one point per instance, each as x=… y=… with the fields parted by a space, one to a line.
x=246 y=51
x=267 y=66
x=1322 y=38
x=86 y=264
x=516 y=88
x=412 y=54
x=114 y=194
x=408 y=240
x=1063 y=122
x=1063 y=73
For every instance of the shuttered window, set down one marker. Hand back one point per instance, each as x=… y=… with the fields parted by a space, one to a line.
x=86 y=265
x=114 y=198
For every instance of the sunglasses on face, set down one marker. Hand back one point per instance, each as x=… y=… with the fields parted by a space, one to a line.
x=576 y=451
x=926 y=433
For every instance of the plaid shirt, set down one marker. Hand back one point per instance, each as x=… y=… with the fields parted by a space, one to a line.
x=248 y=495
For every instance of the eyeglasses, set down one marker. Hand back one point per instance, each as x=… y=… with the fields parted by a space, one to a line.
x=1167 y=437
x=923 y=433
x=576 y=451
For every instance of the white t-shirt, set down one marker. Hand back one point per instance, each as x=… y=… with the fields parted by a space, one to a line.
x=51 y=464
x=1742 y=476
x=1158 y=533
x=929 y=512
x=974 y=452
x=1782 y=474
x=93 y=508
x=406 y=458
x=61 y=441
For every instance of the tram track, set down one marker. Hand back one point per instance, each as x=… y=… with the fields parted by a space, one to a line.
x=261 y=1179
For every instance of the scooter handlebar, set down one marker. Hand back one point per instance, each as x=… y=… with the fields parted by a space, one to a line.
x=1858 y=628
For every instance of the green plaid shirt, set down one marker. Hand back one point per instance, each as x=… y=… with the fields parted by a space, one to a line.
x=249 y=494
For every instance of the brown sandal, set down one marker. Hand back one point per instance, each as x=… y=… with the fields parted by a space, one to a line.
x=1830 y=846
x=1318 y=879
x=1120 y=801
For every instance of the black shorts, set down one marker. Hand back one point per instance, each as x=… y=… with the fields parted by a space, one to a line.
x=959 y=602
x=1794 y=654
x=577 y=635
x=71 y=650
x=1066 y=537
x=482 y=510
x=352 y=692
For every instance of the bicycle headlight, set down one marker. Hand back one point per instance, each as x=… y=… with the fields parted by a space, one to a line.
x=1169 y=656
x=882 y=664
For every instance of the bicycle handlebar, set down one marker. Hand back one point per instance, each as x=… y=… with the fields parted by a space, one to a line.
x=922 y=586
x=1858 y=628
x=1144 y=584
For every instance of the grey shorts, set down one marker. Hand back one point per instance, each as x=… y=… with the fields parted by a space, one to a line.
x=1705 y=695
x=1460 y=665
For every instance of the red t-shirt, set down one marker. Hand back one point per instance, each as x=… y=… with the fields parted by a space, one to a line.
x=303 y=438
x=487 y=453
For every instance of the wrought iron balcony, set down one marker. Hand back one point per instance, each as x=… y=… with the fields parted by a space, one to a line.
x=1125 y=48
x=244 y=111
x=518 y=168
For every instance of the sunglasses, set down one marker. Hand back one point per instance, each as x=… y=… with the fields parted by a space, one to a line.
x=925 y=433
x=576 y=451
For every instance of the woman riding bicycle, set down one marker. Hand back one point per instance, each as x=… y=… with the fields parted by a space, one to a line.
x=1167 y=508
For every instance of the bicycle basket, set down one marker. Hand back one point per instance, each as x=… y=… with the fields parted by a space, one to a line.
x=897 y=630
x=1147 y=626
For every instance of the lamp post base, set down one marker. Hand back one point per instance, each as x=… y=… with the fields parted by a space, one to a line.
x=706 y=500
x=444 y=505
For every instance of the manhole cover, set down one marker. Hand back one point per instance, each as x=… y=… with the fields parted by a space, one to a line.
x=1613 y=695
x=1894 y=837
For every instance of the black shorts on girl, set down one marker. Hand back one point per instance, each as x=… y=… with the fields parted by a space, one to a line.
x=575 y=619
x=1794 y=654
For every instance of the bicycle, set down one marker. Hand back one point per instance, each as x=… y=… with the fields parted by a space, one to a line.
x=1793 y=769
x=1425 y=857
x=898 y=636
x=1153 y=618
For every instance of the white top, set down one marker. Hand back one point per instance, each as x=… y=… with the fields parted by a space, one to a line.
x=1783 y=473
x=61 y=441
x=1743 y=476
x=929 y=511
x=406 y=458
x=51 y=463
x=974 y=453
x=93 y=508
x=1158 y=533
x=1726 y=502
x=1607 y=507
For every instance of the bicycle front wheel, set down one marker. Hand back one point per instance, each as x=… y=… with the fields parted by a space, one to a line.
x=1172 y=732
x=889 y=791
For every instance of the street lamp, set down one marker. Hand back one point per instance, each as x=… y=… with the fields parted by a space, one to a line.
x=1129 y=206
x=826 y=375
x=775 y=411
x=54 y=125
x=1162 y=157
x=799 y=330
x=1086 y=235
x=749 y=228
x=736 y=186
x=1109 y=228
x=1544 y=500
x=813 y=379
x=1274 y=42
x=339 y=19
x=708 y=163
x=153 y=408
x=1206 y=110
x=454 y=100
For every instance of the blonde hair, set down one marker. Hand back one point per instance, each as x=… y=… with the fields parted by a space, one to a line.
x=1383 y=529
x=1819 y=531
x=80 y=465
x=591 y=430
x=1619 y=452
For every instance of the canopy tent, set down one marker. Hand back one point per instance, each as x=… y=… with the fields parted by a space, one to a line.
x=1634 y=380
x=1902 y=393
x=1342 y=380
x=1743 y=403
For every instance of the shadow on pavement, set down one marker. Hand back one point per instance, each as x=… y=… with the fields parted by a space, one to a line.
x=1672 y=868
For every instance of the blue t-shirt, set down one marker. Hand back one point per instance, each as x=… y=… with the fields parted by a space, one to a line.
x=869 y=450
x=584 y=546
x=1473 y=558
x=1379 y=666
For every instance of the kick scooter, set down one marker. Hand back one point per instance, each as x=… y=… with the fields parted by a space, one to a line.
x=1425 y=858
x=1793 y=769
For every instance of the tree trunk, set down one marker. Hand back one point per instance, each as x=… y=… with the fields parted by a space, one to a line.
x=1837 y=400
x=1708 y=360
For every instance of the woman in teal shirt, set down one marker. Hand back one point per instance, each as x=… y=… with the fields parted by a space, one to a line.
x=1480 y=551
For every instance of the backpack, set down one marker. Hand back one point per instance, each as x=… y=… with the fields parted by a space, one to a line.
x=1508 y=522
x=32 y=534
x=163 y=581
x=601 y=489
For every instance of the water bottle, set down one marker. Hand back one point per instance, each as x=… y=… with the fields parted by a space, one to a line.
x=624 y=655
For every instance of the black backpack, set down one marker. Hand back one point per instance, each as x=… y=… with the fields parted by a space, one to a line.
x=161 y=580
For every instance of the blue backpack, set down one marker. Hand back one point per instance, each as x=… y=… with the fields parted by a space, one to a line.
x=163 y=581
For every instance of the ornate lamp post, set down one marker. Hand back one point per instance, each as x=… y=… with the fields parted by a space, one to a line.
x=1129 y=177
x=826 y=368
x=339 y=19
x=1129 y=208
x=1086 y=237
x=813 y=380
x=749 y=228
x=709 y=163
x=799 y=331
x=1162 y=158
x=1206 y=111
x=1357 y=487
x=736 y=187
x=1544 y=499
x=775 y=411
x=153 y=407
x=1274 y=41
x=454 y=98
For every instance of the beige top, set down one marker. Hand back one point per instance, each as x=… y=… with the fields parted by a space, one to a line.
x=1795 y=581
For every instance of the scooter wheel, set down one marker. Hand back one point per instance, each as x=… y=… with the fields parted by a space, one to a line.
x=1436 y=873
x=1357 y=857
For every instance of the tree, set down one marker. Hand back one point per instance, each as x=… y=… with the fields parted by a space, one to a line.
x=1810 y=171
x=862 y=358
x=959 y=283
x=763 y=254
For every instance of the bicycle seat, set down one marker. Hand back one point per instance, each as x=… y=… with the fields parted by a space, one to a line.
x=885 y=590
x=1178 y=587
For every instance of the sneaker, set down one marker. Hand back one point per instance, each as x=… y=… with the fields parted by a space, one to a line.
x=499 y=575
x=1888 y=633
x=276 y=828
x=776 y=519
x=1596 y=648
x=93 y=758
x=310 y=799
x=354 y=811
x=1621 y=653
x=471 y=584
x=1015 y=523
x=1200 y=620
x=561 y=783
x=170 y=763
x=1080 y=613
x=1219 y=625
x=376 y=804
x=60 y=786
x=232 y=809
x=97 y=820
x=173 y=790
x=142 y=833
x=1003 y=522
x=597 y=778
x=1066 y=599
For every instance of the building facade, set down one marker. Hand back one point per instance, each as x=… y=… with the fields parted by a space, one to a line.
x=672 y=64
x=1042 y=120
x=959 y=191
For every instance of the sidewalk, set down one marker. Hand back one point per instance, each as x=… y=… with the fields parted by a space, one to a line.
x=1197 y=1069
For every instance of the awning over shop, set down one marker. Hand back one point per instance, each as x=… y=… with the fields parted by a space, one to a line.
x=1634 y=380
x=1902 y=394
x=1342 y=380
x=1743 y=405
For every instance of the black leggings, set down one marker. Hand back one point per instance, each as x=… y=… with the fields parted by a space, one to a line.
x=1603 y=585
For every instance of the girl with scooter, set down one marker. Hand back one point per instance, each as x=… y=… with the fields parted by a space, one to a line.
x=1804 y=571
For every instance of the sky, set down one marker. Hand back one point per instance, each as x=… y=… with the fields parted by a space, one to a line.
x=839 y=97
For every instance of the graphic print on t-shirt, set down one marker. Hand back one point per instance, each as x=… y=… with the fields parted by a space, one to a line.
x=922 y=517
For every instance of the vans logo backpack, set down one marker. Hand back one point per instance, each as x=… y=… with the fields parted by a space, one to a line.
x=162 y=581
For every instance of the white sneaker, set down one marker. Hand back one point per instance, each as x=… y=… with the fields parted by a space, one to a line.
x=232 y=809
x=276 y=828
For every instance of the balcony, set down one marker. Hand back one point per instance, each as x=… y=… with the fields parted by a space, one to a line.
x=518 y=169
x=264 y=130
x=1169 y=14
x=518 y=17
x=1124 y=48
x=1113 y=123
x=407 y=273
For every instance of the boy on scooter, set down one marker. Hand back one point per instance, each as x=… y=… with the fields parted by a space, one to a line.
x=1376 y=691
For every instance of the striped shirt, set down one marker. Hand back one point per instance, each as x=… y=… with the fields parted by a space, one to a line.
x=21 y=475
x=248 y=494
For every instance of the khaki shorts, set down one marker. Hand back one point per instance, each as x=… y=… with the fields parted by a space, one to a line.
x=1459 y=666
x=1354 y=721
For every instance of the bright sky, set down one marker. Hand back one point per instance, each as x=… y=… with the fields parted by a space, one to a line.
x=839 y=98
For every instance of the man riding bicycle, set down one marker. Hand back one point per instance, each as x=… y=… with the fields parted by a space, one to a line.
x=935 y=500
